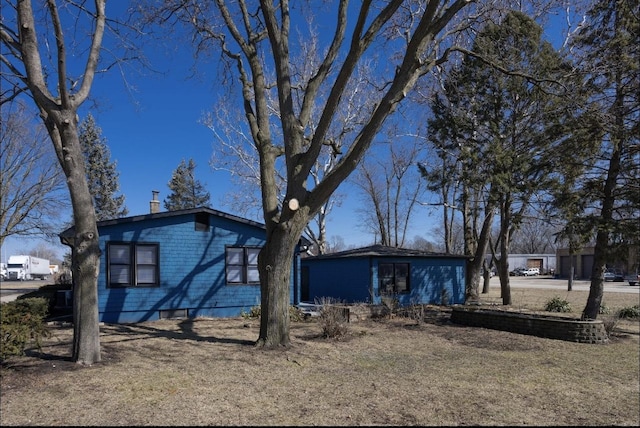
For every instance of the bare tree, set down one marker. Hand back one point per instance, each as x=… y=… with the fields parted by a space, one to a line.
x=391 y=186
x=58 y=94
x=535 y=236
x=32 y=188
x=236 y=154
x=257 y=40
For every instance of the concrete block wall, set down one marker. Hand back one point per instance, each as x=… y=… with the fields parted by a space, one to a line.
x=548 y=326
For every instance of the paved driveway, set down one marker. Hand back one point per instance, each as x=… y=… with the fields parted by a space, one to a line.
x=561 y=284
x=10 y=290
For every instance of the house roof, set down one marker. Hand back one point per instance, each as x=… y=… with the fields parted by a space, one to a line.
x=383 y=251
x=68 y=233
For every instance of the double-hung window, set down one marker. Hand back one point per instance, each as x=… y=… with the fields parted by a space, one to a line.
x=133 y=264
x=242 y=265
x=393 y=278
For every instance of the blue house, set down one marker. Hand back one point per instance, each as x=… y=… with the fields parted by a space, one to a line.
x=365 y=275
x=187 y=263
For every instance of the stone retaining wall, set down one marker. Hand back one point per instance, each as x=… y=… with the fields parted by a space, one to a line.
x=573 y=330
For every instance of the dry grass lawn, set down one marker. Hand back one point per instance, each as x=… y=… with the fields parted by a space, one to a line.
x=387 y=372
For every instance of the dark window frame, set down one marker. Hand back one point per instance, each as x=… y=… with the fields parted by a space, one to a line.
x=388 y=284
x=245 y=269
x=133 y=265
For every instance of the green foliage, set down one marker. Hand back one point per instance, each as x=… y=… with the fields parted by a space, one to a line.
x=604 y=309
x=102 y=175
x=607 y=51
x=22 y=323
x=557 y=305
x=629 y=312
x=186 y=191
x=48 y=293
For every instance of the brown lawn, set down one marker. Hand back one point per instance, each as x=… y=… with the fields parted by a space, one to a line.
x=386 y=372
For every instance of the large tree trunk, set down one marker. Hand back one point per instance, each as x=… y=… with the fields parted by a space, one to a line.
x=85 y=245
x=59 y=113
x=275 y=266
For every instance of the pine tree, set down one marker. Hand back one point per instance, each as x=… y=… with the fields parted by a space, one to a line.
x=186 y=191
x=101 y=173
x=499 y=135
x=607 y=48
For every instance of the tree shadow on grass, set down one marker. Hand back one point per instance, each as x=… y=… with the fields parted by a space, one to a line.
x=186 y=331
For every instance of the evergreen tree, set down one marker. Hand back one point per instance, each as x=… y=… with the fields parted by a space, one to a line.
x=186 y=191
x=499 y=133
x=607 y=49
x=101 y=173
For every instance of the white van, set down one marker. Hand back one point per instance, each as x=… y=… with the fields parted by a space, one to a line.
x=532 y=271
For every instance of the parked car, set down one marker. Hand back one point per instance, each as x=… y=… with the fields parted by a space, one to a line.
x=613 y=275
x=516 y=272
x=532 y=271
x=491 y=273
x=633 y=279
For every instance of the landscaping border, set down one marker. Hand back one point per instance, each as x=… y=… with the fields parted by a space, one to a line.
x=548 y=326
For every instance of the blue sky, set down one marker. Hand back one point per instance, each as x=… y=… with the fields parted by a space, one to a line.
x=151 y=128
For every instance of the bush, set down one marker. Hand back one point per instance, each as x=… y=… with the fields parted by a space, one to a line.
x=295 y=314
x=48 y=292
x=610 y=321
x=630 y=312
x=604 y=309
x=253 y=313
x=557 y=305
x=332 y=318
x=21 y=323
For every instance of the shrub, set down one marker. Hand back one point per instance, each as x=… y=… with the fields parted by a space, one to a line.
x=295 y=314
x=630 y=312
x=604 y=309
x=47 y=292
x=332 y=318
x=557 y=305
x=391 y=304
x=254 y=312
x=610 y=321
x=21 y=323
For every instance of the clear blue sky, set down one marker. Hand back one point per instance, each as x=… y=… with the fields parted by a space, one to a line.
x=150 y=130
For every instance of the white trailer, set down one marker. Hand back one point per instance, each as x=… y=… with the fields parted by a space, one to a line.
x=26 y=268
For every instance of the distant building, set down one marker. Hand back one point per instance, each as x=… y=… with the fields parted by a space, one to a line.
x=583 y=262
x=546 y=263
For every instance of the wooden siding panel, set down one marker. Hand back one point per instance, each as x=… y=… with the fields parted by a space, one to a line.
x=350 y=279
x=192 y=270
x=347 y=281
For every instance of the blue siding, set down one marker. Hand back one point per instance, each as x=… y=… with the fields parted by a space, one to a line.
x=192 y=270
x=348 y=282
x=355 y=279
